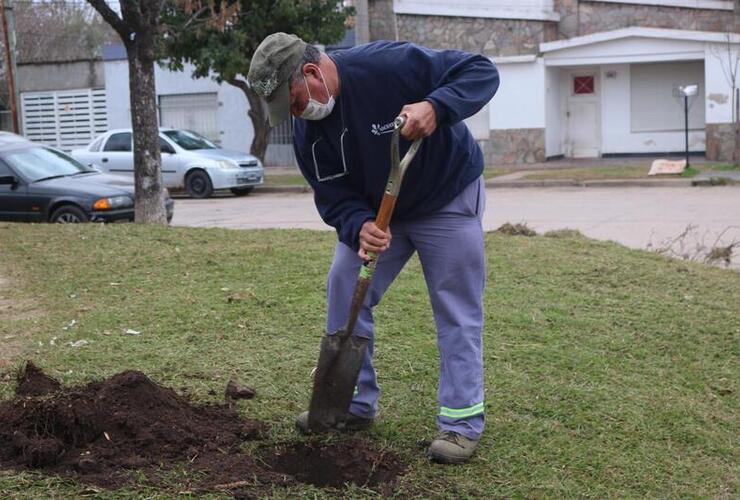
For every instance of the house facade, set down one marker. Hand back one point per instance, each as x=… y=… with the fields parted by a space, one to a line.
x=578 y=79
x=586 y=78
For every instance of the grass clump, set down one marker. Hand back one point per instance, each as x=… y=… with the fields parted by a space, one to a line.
x=519 y=229
x=609 y=371
x=564 y=233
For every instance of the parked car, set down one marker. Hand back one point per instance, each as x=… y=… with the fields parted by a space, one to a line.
x=42 y=184
x=189 y=161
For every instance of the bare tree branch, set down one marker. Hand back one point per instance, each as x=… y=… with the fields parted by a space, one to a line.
x=112 y=18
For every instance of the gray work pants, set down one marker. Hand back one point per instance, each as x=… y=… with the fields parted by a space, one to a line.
x=450 y=247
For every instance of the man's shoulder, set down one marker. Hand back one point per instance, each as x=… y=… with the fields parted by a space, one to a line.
x=379 y=48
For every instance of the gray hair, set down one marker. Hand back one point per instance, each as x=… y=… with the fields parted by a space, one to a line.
x=311 y=55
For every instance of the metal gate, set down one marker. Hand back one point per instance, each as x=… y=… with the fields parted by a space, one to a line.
x=65 y=119
x=196 y=112
x=280 y=149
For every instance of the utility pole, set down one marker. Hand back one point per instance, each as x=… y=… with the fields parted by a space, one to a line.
x=9 y=41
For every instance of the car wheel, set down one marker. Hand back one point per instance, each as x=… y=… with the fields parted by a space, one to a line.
x=198 y=184
x=242 y=191
x=68 y=214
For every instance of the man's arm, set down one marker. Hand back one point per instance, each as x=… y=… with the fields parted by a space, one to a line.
x=443 y=87
x=338 y=204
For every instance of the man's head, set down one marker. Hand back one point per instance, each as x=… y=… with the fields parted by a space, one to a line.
x=285 y=72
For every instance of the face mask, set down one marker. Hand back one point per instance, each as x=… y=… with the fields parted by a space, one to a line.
x=316 y=110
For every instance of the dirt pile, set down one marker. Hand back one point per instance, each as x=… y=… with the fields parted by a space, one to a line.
x=108 y=433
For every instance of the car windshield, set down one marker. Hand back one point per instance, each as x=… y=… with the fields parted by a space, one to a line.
x=189 y=140
x=37 y=163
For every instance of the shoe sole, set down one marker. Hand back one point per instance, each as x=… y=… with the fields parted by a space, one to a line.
x=446 y=459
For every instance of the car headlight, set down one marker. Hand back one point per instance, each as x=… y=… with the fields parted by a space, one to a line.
x=112 y=203
x=227 y=164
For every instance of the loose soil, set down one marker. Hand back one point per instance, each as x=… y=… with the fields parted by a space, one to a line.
x=114 y=432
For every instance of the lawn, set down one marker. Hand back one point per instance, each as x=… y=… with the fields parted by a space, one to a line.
x=619 y=172
x=611 y=373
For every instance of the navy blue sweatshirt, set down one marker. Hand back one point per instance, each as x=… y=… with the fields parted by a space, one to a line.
x=346 y=156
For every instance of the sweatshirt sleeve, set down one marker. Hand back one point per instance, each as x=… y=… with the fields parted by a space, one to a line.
x=458 y=84
x=339 y=205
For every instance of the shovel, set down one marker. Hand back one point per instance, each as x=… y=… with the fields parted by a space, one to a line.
x=342 y=353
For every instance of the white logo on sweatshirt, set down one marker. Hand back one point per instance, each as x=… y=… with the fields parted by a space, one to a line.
x=378 y=129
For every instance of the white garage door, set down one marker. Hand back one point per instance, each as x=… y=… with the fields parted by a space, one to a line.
x=196 y=112
x=66 y=119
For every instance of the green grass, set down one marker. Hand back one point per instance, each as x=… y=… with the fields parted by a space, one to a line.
x=618 y=172
x=611 y=373
x=296 y=179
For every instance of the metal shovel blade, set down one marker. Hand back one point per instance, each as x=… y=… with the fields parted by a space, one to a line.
x=334 y=382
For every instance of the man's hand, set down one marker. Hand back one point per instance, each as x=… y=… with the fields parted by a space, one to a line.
x=373 y=239
x=421 y=120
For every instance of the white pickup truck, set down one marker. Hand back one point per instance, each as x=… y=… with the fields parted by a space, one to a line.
x=189 y=161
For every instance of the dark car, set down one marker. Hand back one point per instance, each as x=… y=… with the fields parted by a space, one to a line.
x=41 y=184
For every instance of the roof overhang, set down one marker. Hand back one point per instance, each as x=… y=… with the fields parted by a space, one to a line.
x=633 y=45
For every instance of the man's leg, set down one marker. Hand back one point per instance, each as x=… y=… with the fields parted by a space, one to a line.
x=450 y=246
x=340 y=287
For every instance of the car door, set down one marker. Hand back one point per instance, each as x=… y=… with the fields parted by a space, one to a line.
x=171 y=168
x=117 y=156
x=13 y=199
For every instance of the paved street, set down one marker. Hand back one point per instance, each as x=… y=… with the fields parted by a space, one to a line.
x=631 y=216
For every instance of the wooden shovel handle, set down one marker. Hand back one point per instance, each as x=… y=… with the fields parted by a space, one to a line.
x=386 y=211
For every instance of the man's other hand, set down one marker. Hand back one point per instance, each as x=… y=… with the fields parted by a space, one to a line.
x=372 y=239
x=421 y=120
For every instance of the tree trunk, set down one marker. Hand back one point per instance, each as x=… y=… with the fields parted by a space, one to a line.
x=258 y=114
x=150 y=206
x=736 y=149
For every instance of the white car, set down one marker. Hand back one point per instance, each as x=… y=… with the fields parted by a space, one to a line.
x=189 y=161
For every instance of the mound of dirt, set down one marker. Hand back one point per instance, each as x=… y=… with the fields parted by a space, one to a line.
x=110 y=433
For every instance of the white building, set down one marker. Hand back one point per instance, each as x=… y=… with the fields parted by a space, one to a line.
x=616 y=92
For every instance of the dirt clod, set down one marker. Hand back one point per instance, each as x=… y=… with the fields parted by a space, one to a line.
x=236 y=391
x=34 y=382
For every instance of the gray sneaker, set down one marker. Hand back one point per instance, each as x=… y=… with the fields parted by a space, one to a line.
x=451 y=448
x=351 y=423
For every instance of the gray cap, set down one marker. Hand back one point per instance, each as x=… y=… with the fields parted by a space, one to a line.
x=269 y=74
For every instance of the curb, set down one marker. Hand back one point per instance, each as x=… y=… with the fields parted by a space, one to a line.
x=593 y=184
x=283 y=189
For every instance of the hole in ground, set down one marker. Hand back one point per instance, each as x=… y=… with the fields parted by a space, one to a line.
x=352 y=461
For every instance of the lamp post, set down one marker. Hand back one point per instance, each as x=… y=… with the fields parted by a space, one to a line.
x=687 y=91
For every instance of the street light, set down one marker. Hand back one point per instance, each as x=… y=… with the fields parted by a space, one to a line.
x=687 y=91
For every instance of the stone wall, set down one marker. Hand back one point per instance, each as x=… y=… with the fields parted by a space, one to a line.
x=583 y=17
x=493 y=37
x=526 y=145
x=381 y=20
x=720 y=141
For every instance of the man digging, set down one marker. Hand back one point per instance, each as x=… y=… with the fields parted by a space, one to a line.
x=344 y=106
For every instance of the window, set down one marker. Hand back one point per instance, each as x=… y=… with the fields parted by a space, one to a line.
x=38 y=163
x=119 y=142
x=95 y=146
x=655 y=104
x=583 y=85
x=4 y=170
x=187 y=139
